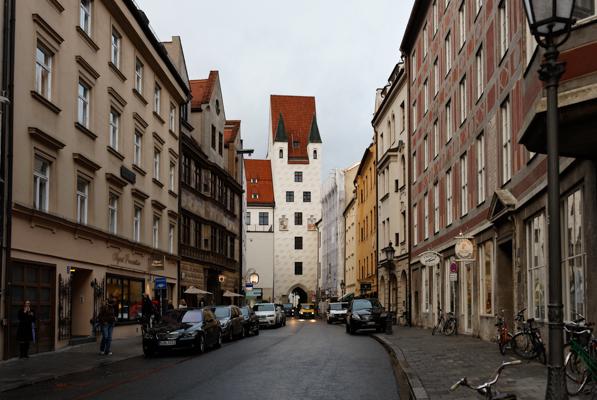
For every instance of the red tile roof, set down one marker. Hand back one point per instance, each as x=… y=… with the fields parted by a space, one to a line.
x=259 y=181
x=297 y=113
x=201 y=89
x=231 y=130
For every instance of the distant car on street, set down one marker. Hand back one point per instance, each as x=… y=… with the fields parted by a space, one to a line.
x=266 y=312
x=192 y=328
x=250 y=321
x=336 y=312
x=365 y=314
x=231 y=321
x=307 y=311
x=288 y=309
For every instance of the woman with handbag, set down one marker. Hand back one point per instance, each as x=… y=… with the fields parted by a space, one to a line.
x=25 y=330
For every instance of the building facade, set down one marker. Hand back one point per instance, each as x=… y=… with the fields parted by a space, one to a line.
x=474 y=92
x=391 y=136
x=366 y=224
x=211 y=202
x=332 y=234
x=94 y=194
x=259 y=225
x=350 y=230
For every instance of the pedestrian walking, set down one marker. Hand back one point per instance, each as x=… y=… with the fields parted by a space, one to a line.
x=147 y=311
x=182 y=304
x=106 y=320
x=26 y=329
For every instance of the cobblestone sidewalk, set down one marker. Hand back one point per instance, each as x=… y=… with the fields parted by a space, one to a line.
x=433 y=363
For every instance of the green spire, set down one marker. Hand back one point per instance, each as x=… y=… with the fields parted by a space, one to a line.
x=281 y=131
x=314 y=136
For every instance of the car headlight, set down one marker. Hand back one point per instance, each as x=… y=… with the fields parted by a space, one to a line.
x=356 y=316
x=173 y=335
x=190 y=334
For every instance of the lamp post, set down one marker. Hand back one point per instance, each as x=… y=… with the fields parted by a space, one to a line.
x=550 y=22
x=389 y=252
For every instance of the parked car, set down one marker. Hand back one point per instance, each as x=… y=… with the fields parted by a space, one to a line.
x=281 y=314
x=231 y=321
x=193 y=328
x=336 y=312
x=307 y=311
x=250 y=321
x=266 y=312
x=288 y=309
x=365 y=314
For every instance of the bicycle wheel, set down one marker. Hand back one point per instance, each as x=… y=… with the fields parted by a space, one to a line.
x=576 y=374
x=522 y=345
x=504 y=342
x=434 y=330
x=450 y=327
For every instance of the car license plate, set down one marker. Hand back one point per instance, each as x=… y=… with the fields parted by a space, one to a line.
x=168 y=343
x=371 y=323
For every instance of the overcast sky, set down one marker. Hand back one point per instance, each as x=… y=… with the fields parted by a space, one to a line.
x=339 y=51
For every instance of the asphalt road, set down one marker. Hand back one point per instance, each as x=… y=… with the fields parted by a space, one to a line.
x=304 y=360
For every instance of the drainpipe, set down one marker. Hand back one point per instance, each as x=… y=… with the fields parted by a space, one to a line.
x=6 y=132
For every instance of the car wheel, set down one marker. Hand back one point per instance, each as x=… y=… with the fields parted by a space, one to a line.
x=230 y=335
x=201 y=344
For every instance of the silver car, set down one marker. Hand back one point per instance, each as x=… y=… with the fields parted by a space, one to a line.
x=337 y=312
x=268 y=314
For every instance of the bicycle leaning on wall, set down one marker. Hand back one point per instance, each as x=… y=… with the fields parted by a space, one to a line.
x=445 y=325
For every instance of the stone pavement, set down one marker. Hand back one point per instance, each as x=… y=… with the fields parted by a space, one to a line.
x=42 y=367
x=431 y=364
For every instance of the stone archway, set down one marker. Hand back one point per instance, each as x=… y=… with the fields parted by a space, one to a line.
x=298 y=295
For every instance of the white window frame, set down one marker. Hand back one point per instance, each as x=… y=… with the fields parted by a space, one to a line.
x=113 y=213
x=137 y=221
x=462 y=24
x=435 y=18
x=157 y=154
x=114 y=128
x=436 y=77
x=426 y=216
x=464 y=184
x=116 y=40
x=83 y=95
x=415 y=225
x=425 y=153
x=139 y=75
x=172 y=118
x=413 y=65
x=574 y=255
x=41 y=184
x=157 y=98
x=85 y=16
x=172 y=176
x=414 y=115
x=426 y=96
x=415 y=166
x=425 y=41
x=137 y=148
x=155 y=232
x=82 y=200
x=506 y=134
x=171 y=235
x=436 y=215
x=536 y=236
x=478 y=6
x=481 y=169
x=480 y=71
x=449 y=123
x=449 y=198
x=483 y=278
x=425 y=288
x=435 y=139
x=463 y=99
x=448 y=53
x=43 y=66
x=503 y=29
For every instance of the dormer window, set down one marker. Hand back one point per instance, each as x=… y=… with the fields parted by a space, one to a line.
x=255 y=196
x=295 y=144
x=217 y=107
x=253 y=180
x=315 y=154
x=281 y=153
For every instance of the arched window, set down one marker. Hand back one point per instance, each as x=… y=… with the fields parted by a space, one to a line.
x=315 y=154
x=281 y=154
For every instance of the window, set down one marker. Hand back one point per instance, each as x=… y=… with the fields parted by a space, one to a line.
x=85 y=16
x=82 y=200
x=155 y=232
x=415 y=225
x=413 y=65
x=463 y=184
x=425 y=96
x=113 y=213
x=248 y=218
x=503 y=28
x=425 y=41
x=43 y=72
x=435 y=139
x=480 y=67
x=172 y=176
x=480 y=169
x=172 y=119
x=138 y=75
x=435 y=207
x=448 y=47
x=298 y=242
x=306 y=197
x=171 y=238
x=137 y=148
x=298 y=218
x=415 y=116
x=156 y=164
x=402 y=117
x=537 y=289
x=213 y=137
x=115 y=54
x=263 y=218
x=426 y=216
x=449 y=204
x=83 y=105
x=425 y=288
x=128 y=295
x=463 y=100
x=281 y=153
x=41 y=183
x=435 y=18
x=448 y=121
x=298 y=176
x=506 y=141
x=478 y=6
x=583 y=9
x=415 y=166
x=574 y=256
x=289 y=196
x=298 y=268
x=114 y=127
x=137 y=224
x=157 y=98
x=426 y=153
x=462 y=24
x=220 y=143
x=486 y=267
x=296 y=144
x=436 y=77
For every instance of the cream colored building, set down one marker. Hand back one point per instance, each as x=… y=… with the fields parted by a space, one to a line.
x=390 y=125
x=95 y=188
x=349 y=216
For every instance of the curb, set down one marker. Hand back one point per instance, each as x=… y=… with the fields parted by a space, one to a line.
x=409 y=384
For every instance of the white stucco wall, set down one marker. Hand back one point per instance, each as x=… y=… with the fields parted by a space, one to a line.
x=332 y=233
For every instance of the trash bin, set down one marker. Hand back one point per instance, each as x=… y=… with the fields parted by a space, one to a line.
x=389 y=322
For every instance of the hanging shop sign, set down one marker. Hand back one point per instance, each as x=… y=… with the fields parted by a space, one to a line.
x=430 y=258
x=464 y=249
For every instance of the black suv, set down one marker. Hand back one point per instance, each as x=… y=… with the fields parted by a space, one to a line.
x=231 y=320
x=365 y=314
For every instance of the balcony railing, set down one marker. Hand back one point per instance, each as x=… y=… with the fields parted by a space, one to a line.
x=207 y=256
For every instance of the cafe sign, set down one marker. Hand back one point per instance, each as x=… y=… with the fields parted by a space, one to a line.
x=464 y=249
x=430 y=258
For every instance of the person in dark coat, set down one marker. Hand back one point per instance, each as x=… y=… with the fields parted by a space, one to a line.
x=106 y=320
x=146 y=310
x=25 y=330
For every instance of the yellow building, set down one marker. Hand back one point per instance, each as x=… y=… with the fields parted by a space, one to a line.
x=366 y=216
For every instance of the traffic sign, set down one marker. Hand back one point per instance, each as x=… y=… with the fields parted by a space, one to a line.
x=160 y=283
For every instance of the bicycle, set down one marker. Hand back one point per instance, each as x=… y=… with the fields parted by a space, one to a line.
x=581 y=360
x=445 y=326
x=527 y=343
x=487 y=389
x=503 y=337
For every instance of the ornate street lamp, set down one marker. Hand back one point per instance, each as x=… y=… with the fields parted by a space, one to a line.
x=550 y=22
x=389 y=252
x=254 y=278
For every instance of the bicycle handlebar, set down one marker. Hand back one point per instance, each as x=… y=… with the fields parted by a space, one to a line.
x=464 y=382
